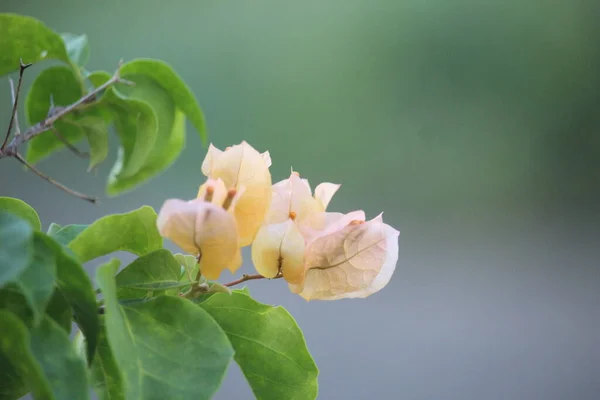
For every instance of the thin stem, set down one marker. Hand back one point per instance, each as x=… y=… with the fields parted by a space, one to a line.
x=46 y=124
x=247 y=277
x=69 y=146
x=22 y=68
x=13 y=97
x=52 y=181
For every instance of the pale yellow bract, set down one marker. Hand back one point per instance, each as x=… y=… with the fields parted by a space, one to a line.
x=204 y=228
x=243 y=165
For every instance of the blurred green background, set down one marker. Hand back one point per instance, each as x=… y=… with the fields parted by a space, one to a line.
x=475 y=126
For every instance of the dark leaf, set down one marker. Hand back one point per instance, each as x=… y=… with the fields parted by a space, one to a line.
x=16 y=246
x=37 y=280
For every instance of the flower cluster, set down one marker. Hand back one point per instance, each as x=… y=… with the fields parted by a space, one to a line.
x=322 y=255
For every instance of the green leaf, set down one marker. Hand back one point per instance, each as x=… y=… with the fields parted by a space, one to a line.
x=64 y=369
x=171 y=149
x=155 y=271
x=165 y=75
x=12 y=299
x=64 y=235
x=135 y=232
x=60 y=311
x=78 y=48
x=160 y=150
x=21 y=209
x=96 y=130
x=166 y=348
x=136 y=124
x=269 y=346
x=16 y=249
x=37 y=280
x=53 y=228
x=189 y=266
x=28 y=39
x=19 y=370
x=75 y=285
x=216 y=287
x=59 y=83
x=105 y=374
x=98 y=78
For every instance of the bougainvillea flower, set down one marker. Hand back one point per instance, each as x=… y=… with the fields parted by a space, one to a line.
x=355 y=260
x=242 y=165
x=279 y=248
x=205 y=227
x=293 y=195
x=279 y=245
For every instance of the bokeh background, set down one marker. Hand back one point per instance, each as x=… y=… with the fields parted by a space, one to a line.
x=475 y=126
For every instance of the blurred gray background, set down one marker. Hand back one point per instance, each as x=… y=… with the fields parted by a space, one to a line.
x=474 y=126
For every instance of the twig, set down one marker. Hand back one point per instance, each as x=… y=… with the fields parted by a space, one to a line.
x=52 y=181
x=11 y=149
x=69 y=146
x=247 y=277
x=13 y=97
x=22 y=68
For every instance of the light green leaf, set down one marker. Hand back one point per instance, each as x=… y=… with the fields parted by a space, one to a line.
x=216 y=287
x=64 y=235
x=269 y=346
x=59 y=83
x=135 y=232
x=53 y=228
x=19 y=370
x=155 y=271
x=159 y=151
x=64 y=369
x=243 y=290
x=37 y=280
x=75 y=285
x=170 y=151
x=136 y=124
x=163 y=74
x=189 y=266
x=98 y=78
x=16 y=246
x=164 y=347
x=78 y=48
x=29 y=39
x=96 y=130
x=21 y=209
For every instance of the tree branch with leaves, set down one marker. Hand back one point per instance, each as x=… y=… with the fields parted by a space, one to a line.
x=162 y=327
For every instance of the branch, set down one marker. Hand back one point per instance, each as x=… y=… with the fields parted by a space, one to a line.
x=11 y=150
x=247 y=277
x=22 y=68
x=46 y=124
x=13 y=97
x=52 y=181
